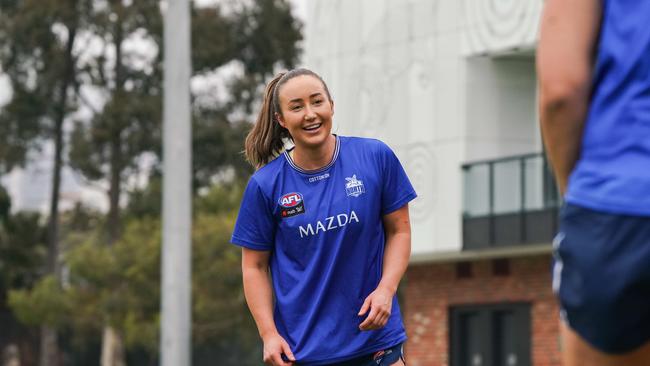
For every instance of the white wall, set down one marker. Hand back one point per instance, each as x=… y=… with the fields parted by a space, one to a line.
x=398 y=71
x=500 y=111
x=495 y=27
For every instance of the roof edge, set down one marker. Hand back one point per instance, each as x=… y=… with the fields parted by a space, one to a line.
x=472 y=255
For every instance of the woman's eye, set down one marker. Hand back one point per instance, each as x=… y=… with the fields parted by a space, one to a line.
x=318 y=102
x=295 y=108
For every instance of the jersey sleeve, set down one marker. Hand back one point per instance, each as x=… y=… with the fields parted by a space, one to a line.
x=255 y=226
x=396 y=188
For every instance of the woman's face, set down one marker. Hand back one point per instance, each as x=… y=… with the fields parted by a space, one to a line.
x=306 y=111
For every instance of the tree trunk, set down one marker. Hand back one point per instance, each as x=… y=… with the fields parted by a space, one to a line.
x=114 y=190
x=49 y=346
x=112 y=343
x=112 y=348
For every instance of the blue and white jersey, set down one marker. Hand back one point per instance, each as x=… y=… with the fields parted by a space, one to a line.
x=325 y=231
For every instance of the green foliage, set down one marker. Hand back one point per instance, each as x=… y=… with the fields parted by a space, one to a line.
x=212 y=42
x=5 y=204
x=217 y=145
x=146 y=201
x=266 y=35
x=120 y=284
x=222 y=325
x=22 y=250
x=219 y=199
x=34 y=59
x=46 y=303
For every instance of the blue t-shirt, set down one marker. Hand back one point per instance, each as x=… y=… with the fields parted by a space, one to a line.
x=613 y=172
x=325 y=233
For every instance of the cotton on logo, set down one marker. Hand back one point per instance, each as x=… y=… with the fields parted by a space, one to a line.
x=290 y=200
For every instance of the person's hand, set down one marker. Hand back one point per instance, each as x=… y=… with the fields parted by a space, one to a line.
x=379 y=302
x=274 y=347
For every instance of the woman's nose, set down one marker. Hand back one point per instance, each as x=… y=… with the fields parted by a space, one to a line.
x=309 y=113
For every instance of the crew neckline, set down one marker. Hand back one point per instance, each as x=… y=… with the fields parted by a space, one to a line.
x=315 y=171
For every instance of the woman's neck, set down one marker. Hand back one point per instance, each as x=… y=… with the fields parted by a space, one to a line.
x=314 y=158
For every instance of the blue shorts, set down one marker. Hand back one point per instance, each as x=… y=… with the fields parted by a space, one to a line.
x=601 y=275
x=385 y=357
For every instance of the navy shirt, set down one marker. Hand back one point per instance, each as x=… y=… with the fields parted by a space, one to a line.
x=325 y=232
x=613 y=172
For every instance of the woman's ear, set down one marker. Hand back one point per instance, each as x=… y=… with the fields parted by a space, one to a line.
x=278 y=118
x=332 y=103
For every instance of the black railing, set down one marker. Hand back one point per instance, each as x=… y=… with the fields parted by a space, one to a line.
x=509 y=201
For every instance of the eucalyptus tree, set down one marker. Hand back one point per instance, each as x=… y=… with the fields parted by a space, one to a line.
x=37 y=54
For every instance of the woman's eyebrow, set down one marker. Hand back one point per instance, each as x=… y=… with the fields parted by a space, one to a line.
x=311 y=96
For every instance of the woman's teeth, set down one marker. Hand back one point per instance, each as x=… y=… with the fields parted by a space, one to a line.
x=311 y=128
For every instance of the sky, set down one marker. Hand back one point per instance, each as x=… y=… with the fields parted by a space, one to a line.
x=300 y=8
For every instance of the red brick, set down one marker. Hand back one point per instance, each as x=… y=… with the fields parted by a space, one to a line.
x=432 y=288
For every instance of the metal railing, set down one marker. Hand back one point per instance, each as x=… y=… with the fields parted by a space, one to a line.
x=509 y=201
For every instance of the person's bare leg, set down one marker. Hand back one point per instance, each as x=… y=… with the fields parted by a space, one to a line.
x=577 y=352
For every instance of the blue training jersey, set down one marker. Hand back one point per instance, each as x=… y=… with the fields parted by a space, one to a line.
x=325 y=233
x=613 y=172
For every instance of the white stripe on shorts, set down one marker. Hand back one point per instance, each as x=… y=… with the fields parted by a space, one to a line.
x=558 y=265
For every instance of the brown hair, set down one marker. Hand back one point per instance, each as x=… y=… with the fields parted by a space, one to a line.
x=265 y=141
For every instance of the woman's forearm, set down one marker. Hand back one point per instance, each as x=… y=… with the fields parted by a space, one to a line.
x=397 y=226
x=259 y=297
x=396 y=259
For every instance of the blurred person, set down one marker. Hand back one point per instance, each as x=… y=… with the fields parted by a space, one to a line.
x=593 y=64
x=328 y=219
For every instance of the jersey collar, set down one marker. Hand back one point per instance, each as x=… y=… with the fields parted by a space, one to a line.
x=319 y=170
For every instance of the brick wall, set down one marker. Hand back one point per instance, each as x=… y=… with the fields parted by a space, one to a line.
x=432 y=288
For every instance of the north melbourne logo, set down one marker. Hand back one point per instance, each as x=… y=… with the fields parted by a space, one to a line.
x=291 y=204
x=353 y=186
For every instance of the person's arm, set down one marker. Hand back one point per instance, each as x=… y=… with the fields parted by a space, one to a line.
x=565 y=56
x=259 y=296
x=397 y=228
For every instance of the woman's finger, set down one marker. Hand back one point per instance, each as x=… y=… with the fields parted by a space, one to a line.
x=370 y=319
x=287 y=351
x=365 y=306
x=278 y=361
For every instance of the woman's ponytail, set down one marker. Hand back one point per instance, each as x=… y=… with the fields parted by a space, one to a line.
x=266 y=139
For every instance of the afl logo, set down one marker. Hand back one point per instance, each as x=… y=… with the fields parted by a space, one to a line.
x=291 y=204
x=290 y=200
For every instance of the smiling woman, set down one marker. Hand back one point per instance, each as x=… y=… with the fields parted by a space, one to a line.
x=329 y=220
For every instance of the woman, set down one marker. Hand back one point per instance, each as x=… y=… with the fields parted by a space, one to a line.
x=328 y=219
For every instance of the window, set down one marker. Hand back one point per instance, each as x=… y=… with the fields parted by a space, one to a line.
x=490 y=335
x=509 y=201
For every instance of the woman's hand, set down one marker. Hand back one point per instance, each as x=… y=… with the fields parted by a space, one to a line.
x=380 y=303
x=274 y=347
